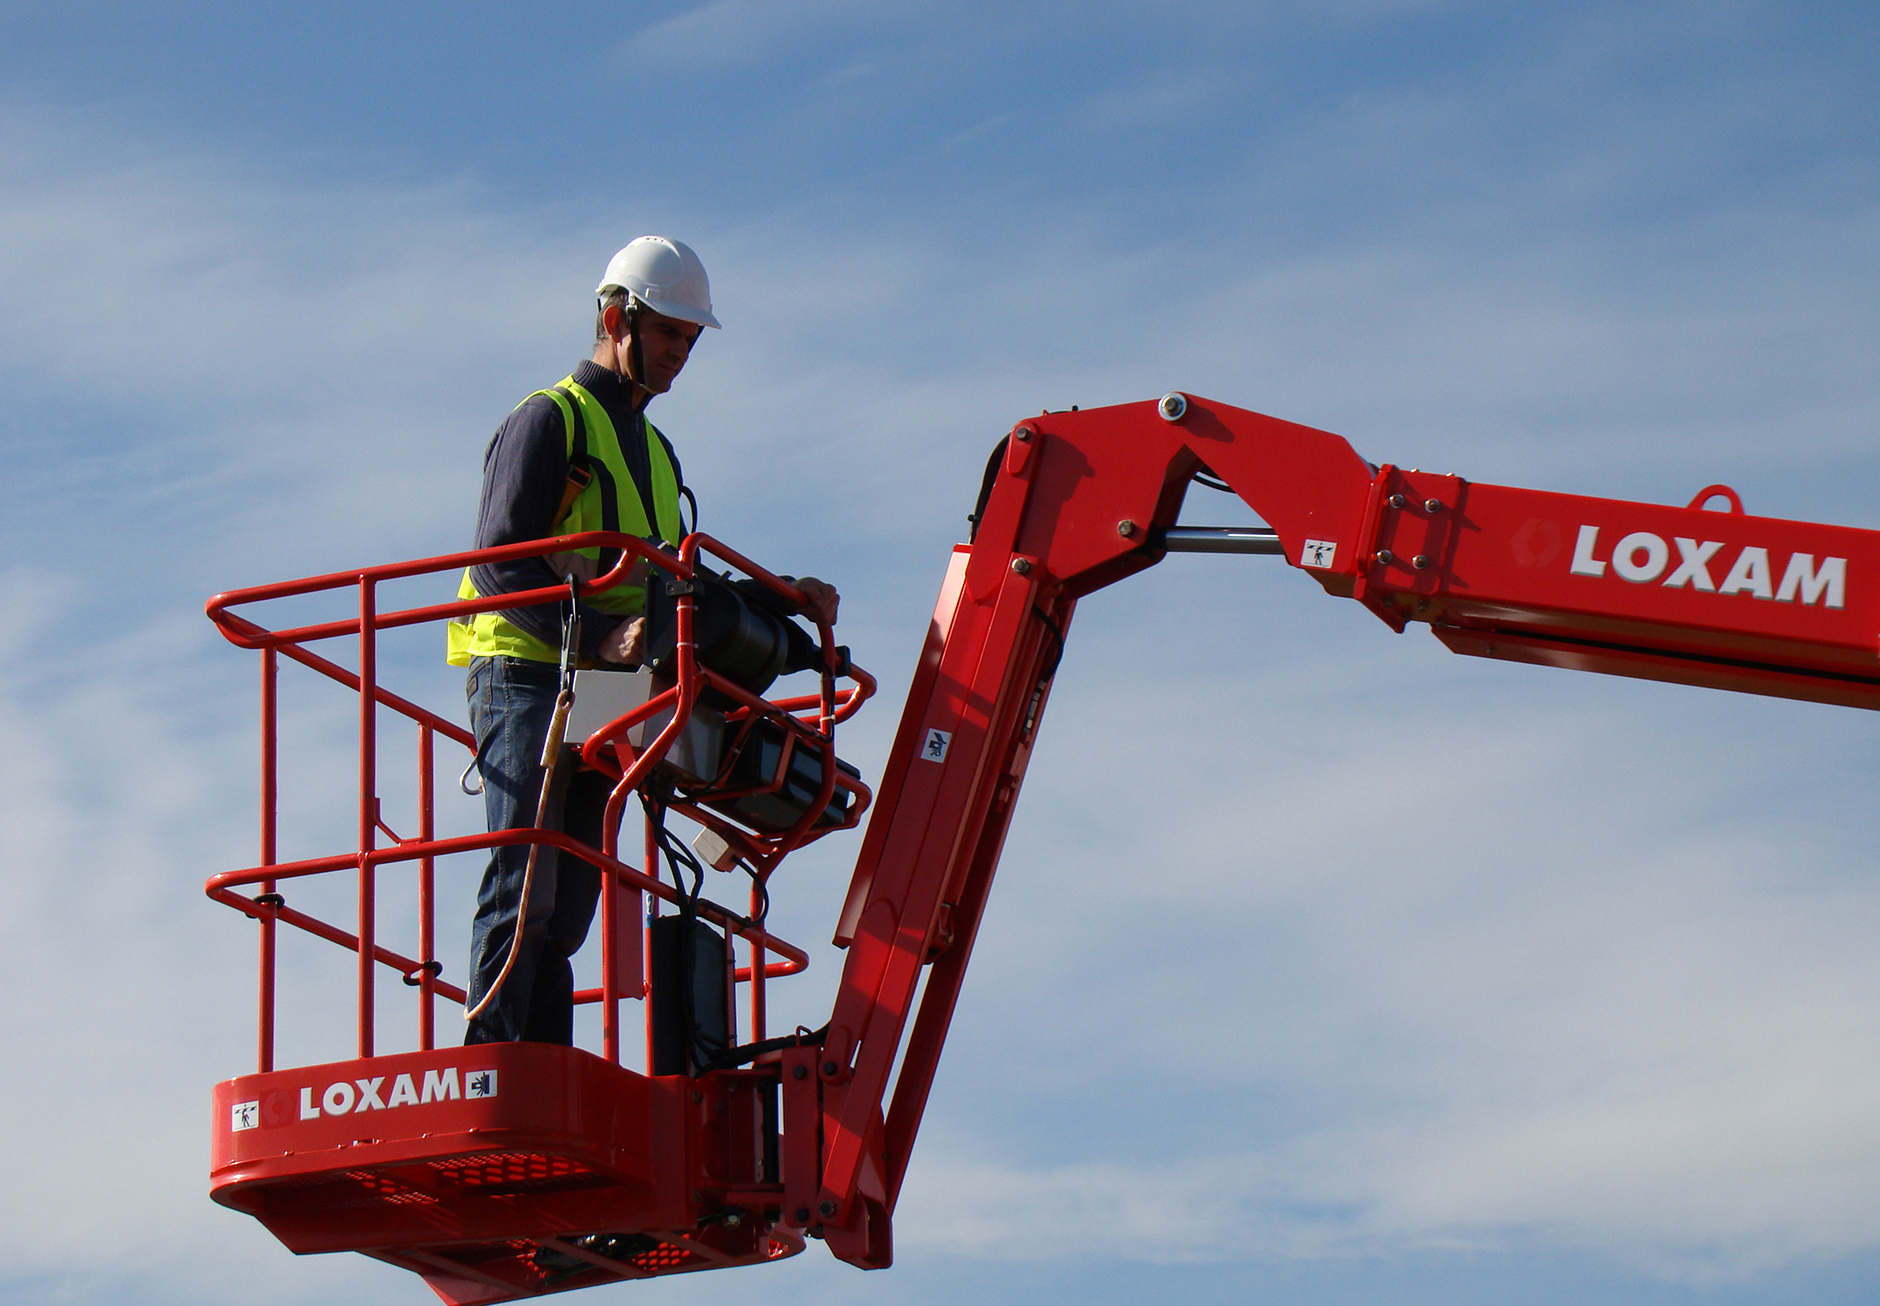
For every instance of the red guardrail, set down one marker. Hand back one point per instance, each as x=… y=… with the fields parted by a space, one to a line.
x=607 y=748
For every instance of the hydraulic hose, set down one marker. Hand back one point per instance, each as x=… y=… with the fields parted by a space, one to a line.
x=551 y=757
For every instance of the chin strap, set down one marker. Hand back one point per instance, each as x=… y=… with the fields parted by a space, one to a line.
x=636 y=360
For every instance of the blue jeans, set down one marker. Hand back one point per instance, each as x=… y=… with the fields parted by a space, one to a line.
x=512 y=701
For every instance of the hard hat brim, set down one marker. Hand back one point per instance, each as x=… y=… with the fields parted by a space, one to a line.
x=683 y=312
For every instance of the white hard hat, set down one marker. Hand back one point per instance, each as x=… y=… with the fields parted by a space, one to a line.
x=666 y=276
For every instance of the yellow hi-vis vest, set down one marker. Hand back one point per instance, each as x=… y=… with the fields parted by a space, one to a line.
x=609 y=502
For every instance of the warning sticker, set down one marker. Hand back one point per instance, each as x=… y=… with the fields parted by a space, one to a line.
x=245 y=1115
x=935 y=749
x=479 y=1083
x=1318 y=553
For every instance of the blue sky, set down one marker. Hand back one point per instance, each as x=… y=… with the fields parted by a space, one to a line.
x=1324 y=966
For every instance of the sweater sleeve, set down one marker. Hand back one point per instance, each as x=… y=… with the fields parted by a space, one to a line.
x=525 y=470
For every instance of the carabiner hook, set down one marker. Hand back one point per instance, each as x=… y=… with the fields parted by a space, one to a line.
x=570 y=633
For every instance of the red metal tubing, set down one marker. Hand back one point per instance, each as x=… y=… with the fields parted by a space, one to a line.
x=405 y=617
x=687 y=688
x=763 y=707
x=847 y=701
x=331 y=933
x=610 y=960
x=769 y=956
x=221 y=887
x=254 y=875
x=368 y=808
x=825 y=743
x=690 y=547
x=650 y=850
x=758 y=974
x=630 y=546
x=614 y=732
x=688 y=552
x=826 y=697
x=270 y=789
x=772 y=969
x=690 y=804
x=403 y=706
x=427 y=891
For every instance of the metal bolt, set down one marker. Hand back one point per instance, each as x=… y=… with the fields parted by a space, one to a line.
x=1432 y=505
x=733 y=1219
x=831 y=1067
x=1396 y=501
x=802 y=1215
x=1126 y=528
x=1173 y=407
x=1421 y=561
x=799 y=1072
x=1022 y=566
x=827 y=1209
x=697 y=1098
x=1384 y=556
x=1022 y=434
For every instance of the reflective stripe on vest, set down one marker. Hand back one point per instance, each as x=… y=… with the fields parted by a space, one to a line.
x=609 y=502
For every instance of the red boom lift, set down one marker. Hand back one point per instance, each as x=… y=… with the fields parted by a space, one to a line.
x=514 y=1170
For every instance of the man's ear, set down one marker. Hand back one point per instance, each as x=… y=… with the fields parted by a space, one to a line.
x=613 y=322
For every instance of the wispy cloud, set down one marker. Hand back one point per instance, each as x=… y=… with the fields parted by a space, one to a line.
x=730 y=33
x=1310 y=942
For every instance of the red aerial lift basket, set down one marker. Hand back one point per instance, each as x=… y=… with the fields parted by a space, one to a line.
x=501 y=1171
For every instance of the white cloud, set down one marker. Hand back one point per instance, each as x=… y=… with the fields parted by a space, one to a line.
x=728 y=33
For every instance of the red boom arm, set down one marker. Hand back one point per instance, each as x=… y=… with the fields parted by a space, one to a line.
x=1082 y=499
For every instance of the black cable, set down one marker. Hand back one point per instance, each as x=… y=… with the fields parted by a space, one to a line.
x=760 y=888
x=678 y=856
x=985 y=488
x=636 y=366
x=745 y=1053
x=703 y=1049
x=1057 y=653
x=1206 y=475
x=1046 y=673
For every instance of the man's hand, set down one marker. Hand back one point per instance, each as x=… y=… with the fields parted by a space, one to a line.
x=626 y=642
x=822 y=599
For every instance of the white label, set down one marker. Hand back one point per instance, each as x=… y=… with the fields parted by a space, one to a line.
x=245 y=1115
x=346 y=1098
x=1318 y=553
x=935 y=749
x=1642 y=557
x=1584 y=563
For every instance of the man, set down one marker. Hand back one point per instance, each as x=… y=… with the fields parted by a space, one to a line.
x=580 y=456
